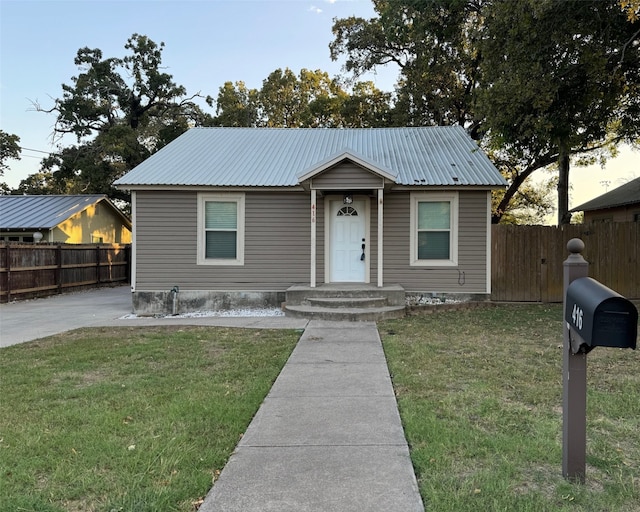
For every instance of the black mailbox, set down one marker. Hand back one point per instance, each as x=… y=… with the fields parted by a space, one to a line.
x=599 y=316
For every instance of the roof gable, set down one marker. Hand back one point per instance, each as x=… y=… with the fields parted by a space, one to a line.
x=343 y=156
x=281 y=157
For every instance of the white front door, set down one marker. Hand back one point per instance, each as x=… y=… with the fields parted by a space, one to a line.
x=348 y=225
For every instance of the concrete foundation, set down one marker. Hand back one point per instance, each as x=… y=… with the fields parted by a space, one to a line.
x=170 y=302
x=160 y=303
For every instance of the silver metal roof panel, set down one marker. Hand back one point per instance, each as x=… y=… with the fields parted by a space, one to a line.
x=42 y=212
x=274 y=157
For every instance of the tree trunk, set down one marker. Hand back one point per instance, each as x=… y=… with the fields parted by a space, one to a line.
x=508 y=195
x=564 y=217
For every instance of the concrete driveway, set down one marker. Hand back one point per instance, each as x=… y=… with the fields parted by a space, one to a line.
x=32 y=319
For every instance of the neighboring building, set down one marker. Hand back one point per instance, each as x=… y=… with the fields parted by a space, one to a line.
x=621 y=204
x=244 y=214
x=69 y=219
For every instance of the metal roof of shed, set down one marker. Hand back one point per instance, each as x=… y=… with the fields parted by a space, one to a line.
x=44 y=212
x=274 y=157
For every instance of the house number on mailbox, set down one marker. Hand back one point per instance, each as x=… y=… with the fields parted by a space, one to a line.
x=576 y=316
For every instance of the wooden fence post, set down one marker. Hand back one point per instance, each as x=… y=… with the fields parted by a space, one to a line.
x=8 y=274
x=59 y=271
x=97 y=264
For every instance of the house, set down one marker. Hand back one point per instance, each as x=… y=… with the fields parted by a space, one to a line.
x=621 y=204
x=70 y=219
x=255 y=216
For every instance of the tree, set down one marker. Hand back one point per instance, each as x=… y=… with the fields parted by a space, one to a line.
x=236 y=105
x=366 y=107
x=9 y=150
x=309 y=100
x=532 y=203
x=478 y=63
x=434 y=44
x=565 y=80
x=631 y=8
x=121 y=110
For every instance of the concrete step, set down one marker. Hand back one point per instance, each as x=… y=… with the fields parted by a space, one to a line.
x=302 y=295
x=345 y=314
x=348 y=302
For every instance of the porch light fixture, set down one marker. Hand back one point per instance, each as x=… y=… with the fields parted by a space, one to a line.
x=347 y=199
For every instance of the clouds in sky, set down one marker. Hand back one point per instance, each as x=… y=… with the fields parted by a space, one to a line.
x=317 y=10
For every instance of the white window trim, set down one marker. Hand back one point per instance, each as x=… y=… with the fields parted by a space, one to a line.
x=417 y=197
x=202 y=199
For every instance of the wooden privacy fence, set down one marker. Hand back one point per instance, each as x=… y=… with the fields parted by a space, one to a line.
x=527 y=260
x=37 y=270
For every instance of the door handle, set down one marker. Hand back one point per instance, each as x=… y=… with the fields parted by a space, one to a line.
x=363 y=247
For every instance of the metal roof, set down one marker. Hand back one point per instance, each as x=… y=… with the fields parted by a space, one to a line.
x=627 y=194
x=275 y=157
x=43 y=212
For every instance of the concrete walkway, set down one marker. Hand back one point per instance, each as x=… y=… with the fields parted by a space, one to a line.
x=328 y=437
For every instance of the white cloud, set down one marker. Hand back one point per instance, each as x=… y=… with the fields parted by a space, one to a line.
x=315 y=9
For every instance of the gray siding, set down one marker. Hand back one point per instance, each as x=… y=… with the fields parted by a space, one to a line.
x=277 y=243
x=346 y=176
x=470 y=274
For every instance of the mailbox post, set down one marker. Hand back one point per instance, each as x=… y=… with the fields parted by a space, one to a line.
x=594 y=316
x=574 y=380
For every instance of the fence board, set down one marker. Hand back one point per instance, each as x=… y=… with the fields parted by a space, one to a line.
x=36 y=270
x=527 y=260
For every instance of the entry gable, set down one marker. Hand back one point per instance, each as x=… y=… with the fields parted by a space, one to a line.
x=346 y=170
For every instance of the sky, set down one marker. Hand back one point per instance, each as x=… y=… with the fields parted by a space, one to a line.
x=207 y=43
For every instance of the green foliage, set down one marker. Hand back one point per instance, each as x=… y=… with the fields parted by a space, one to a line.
x=532 y=204
x=308 y=100
x=434 y=45
x=236 y=105
x=560 y=78
x=121 y=110
x=535 y=82
x=9 y=149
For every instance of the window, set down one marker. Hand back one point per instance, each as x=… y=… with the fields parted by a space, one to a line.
x=434 y=229
x=221 y=229
x=347 y=211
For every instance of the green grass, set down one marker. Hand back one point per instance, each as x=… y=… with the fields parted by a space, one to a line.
x=480 y=395
x=128 y=419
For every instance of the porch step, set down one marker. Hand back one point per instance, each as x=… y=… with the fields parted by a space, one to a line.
x=345 y=314
x=348 y=302
x=345 y=302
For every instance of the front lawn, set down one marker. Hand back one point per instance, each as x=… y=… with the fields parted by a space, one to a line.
x=143 y=419
x=128 y=419
x=480 y=395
